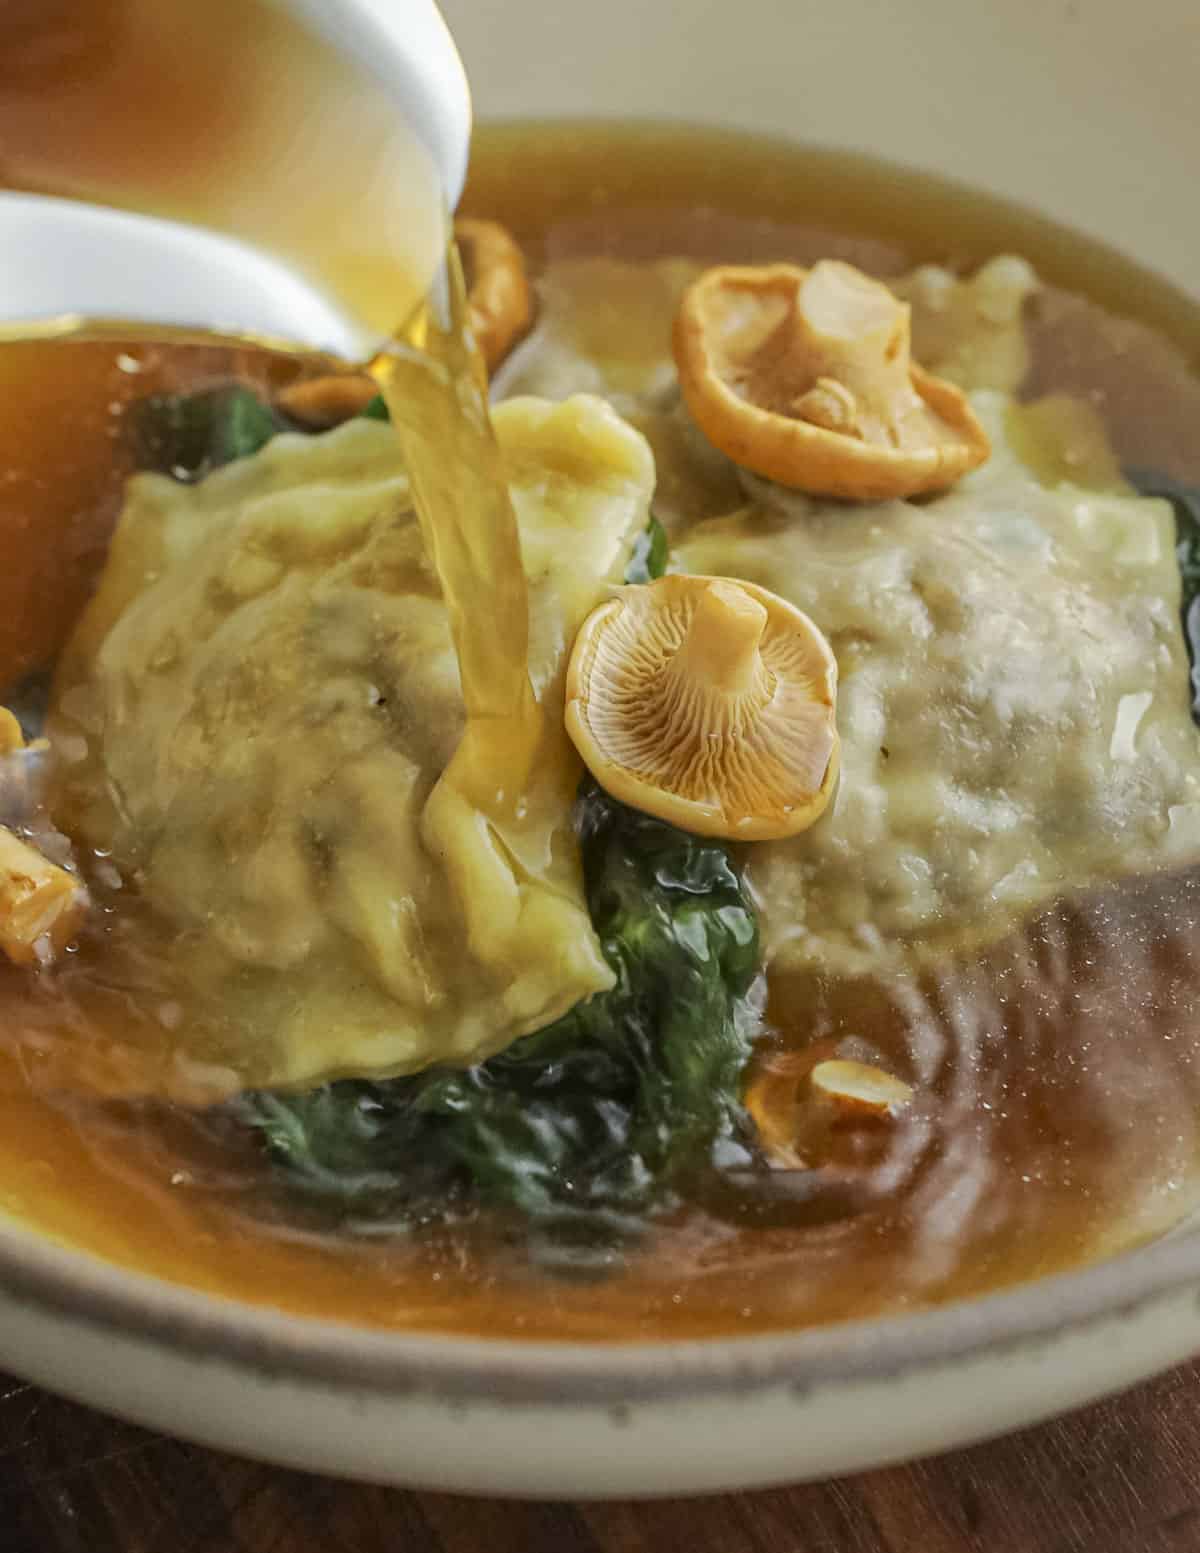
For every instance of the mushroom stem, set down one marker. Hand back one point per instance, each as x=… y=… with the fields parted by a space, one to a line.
x=855 y=336
x=720 y=649
x=839 y=309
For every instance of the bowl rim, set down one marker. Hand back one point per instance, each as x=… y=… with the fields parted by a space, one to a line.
x=269 y=1343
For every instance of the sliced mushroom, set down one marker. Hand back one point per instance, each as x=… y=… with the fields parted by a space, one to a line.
x=708 y=703
x=40 y=904
x=859 y=1088
x=498 y=295
x=805 y=376
x=805 y=1112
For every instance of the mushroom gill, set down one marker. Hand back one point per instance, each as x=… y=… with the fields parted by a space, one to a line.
x=707 y=703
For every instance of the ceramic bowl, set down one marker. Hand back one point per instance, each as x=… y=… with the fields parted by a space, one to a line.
x=1084 y=109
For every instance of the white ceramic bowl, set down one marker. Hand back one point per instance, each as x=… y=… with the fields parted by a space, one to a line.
x=1086 y=109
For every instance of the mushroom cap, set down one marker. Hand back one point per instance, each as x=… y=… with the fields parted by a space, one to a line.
x=498 y=296
x=708 y=703
x=805 y=376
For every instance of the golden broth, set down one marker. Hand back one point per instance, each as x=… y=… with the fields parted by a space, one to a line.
x=64 y=465
x=435 y=387
x=1060 y=1070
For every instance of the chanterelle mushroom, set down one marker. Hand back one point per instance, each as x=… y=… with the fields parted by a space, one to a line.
x=498 y=295
x=805 y=376
x=708 y=703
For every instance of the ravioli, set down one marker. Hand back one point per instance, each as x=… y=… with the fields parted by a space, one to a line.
x=257 y=708
x=604 y=327
x=1013 y=704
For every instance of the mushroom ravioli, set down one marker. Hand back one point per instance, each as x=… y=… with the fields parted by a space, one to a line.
x=1010 y=709
x=267 y=693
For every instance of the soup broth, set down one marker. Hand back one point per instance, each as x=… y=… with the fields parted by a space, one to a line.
x=1057 y=1069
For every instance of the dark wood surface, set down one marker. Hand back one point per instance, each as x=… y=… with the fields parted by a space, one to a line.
x=1122 y=1477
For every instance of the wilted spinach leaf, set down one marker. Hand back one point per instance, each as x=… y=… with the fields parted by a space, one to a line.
x=189 y=435
x=375 y=410
x=649 y=558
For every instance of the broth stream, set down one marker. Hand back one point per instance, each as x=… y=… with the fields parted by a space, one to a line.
x=1059 y=1071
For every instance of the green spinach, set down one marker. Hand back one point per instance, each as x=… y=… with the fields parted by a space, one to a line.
x=649 y=558
x=375 y=410
x=189 y=435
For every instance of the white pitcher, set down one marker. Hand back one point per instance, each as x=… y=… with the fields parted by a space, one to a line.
x=63 y=260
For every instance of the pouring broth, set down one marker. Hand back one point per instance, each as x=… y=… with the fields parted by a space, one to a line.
x=1047 y=1047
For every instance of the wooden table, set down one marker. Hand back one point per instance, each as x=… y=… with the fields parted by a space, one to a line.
x=1123 y=1477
